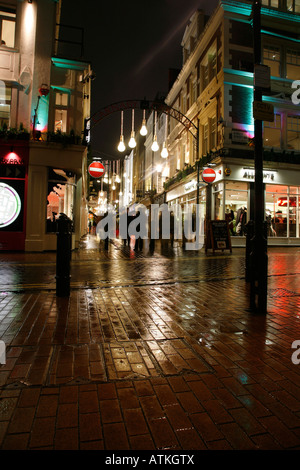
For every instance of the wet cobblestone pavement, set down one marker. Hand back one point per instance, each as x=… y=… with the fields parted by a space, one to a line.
x=148 y=352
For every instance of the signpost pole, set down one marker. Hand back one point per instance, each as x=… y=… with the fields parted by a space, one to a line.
x=258 y=257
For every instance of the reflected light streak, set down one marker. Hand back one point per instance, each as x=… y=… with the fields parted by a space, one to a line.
x=164 y=43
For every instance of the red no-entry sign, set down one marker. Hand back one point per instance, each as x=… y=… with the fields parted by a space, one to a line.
x=96 y=169
x=209 y=175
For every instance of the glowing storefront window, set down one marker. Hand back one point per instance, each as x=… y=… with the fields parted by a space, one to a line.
x=10 y=205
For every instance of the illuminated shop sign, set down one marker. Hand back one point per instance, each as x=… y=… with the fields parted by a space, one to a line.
x=190 y=186
x=10 y=205
x=250 y=174
x=11 y=159
x=283 y=202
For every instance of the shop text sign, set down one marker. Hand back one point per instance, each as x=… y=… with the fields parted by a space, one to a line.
x=250 y=174
x=296 y=94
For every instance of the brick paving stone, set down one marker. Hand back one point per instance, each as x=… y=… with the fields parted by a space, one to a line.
x=190 y=439
x=163 y=434
x=47 y=406
x=237 y=438
x=22 y=420
x=280 y=432
x=247 y=421
x=88 y=402
x=29 y=397
x=189 y=402
x=217 y=412
x=206 y=427
x=107 y=391
x=135 y=422
x=110 y=411
x=151 y=407
x=66 y=439
x=68 y=394
x=67 y=415
x=42 y=433
x=110 y=432
x=90 y=428
x=143 y=442
x=128 y=398
x=144 y=388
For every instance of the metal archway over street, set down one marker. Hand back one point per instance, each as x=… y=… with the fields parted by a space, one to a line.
x=147 y=105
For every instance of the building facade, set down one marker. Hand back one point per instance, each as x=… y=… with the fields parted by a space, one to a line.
x=45 y=98
x=214 y=91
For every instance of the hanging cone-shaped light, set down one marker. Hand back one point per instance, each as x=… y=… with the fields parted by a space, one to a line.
x=164 y=152
x=155 y=145
x=121 y=146
x=132 y=142
x=143 y=130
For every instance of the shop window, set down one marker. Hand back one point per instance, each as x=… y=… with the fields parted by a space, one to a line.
x=277 y=211
x=293 y=64
x=61 y=195
x=294 y=224
x=293 y=132
x=271 y=57
x=272 y=132
x=8 y=26
x=236 y=201
x=61 y=111
x=218 y=191
x=5 y=103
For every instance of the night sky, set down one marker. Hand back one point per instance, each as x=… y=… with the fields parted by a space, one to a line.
x=131 y=46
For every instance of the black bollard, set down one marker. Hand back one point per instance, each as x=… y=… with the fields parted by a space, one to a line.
x=63 y=256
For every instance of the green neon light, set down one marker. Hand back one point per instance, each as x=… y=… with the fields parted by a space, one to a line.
x=69 y=64
x=241 y=73
x=238 y=84
x=246 y=10
x=61 y=89
x=264 y=31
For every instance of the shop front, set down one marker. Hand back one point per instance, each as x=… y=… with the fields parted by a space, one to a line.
x=56 y=184
x=233 y=199
x=186 y=193
x=13 y=194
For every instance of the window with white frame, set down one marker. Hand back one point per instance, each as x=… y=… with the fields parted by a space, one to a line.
x=271 y=57
x=61 y=111
x=209 y=67
x=293 y=64
x=7 y=26
x=213 y=132
x=293 y=6
x=293 y=132
x=272 y=132
x=5 y=104
x=270 y=3
x=205 y=146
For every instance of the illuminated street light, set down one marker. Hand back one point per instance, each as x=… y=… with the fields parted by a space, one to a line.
x=121 y=146
x=164 y=152
x=132 y=142
x=144 y=130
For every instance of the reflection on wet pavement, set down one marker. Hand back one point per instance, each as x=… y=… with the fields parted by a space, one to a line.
x=170 y=331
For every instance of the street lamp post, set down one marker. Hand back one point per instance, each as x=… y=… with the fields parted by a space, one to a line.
x=258 y=256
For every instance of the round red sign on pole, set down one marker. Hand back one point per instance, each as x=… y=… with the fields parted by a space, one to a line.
x=96 y=169
x=209 y=175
